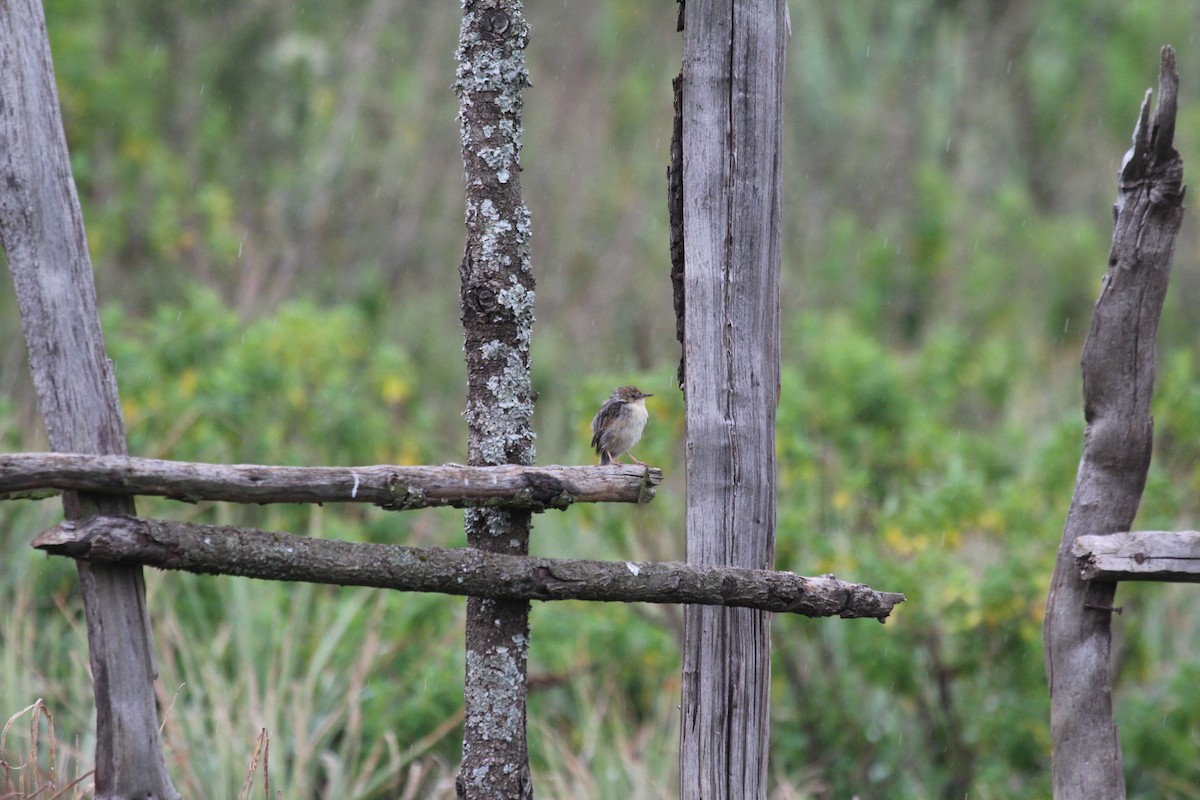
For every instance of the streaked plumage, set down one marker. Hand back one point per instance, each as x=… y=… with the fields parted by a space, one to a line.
x=618 y=424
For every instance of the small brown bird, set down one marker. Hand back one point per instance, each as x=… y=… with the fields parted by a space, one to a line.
x=618 y=424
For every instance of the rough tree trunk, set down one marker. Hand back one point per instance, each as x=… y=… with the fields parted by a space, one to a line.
x=42 y=231
x=497 y=316
x=1118 y=383
x=733 y=65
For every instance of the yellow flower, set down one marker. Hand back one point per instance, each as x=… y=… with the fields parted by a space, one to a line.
x=187 y=382
x=395 y=390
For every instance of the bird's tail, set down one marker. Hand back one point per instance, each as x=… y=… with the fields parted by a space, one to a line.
x=605 y=458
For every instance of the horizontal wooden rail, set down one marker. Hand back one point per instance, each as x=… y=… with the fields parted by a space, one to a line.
x=24 y=475
x=267 y=555
x=1171 y=556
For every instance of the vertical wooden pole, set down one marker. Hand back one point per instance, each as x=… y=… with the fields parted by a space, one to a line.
x=497 y=315
x=43 y=235
x=733 y=65
x=1118 y=384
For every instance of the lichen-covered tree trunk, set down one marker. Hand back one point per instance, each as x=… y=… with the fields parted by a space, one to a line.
x=731 y=124
x=497 y=316
x=1118 y=384
x=42 y=231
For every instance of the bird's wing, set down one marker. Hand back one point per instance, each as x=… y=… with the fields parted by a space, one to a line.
x=607 y=413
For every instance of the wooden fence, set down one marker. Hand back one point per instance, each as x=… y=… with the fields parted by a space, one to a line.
x=730 y=548
x=727 y=104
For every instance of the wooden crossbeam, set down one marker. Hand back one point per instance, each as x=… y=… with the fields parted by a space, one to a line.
x=1169 y=556
x=392 y=487
x=273 y=555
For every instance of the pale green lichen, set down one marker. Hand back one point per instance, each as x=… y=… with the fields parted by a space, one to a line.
x=493 y=72
x=496 y=522
x=501 y=674
x=492 y=66
x=490 y=76
x=493 y=348
x=517 y=298
x=500 y=159
x=492 y=237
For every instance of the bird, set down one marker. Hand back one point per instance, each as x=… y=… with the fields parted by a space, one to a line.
x=618 y=424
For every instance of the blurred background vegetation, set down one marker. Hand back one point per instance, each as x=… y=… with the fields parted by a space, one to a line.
x=272 y=192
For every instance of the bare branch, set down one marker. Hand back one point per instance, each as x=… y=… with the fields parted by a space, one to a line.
x=212 y=549
x=391 y=487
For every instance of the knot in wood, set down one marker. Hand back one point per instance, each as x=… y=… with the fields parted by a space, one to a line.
x=482 y=299
x=1166 y=196
x=546 y=491
x=496 y=22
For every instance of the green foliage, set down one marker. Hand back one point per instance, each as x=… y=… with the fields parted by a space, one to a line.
x=942 y=471
x=948 y=174
x=935 y=473
x=303 y=382
x=908 y=473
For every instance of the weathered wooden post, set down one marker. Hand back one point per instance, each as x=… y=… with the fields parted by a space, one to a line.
x=733 y=65
x=1118 y=384
x=497 y=316
x=731 y=215
x=42 y=231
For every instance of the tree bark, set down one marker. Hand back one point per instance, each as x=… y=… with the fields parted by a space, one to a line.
x=732 y=120
x=675 y=218
x=390 y=487
x=217 y=550
x=497 y=316
x=1118 y=383
x=43 y=235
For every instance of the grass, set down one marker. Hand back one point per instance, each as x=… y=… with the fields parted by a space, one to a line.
x=307 y=691
x=941 y=472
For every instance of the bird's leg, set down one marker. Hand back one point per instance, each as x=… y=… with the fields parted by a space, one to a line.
x=636 y=460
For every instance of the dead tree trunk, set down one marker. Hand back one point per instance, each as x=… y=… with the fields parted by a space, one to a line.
x=1118 y=383
x=43 y=235
x=733 y=64
x=497 y=316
